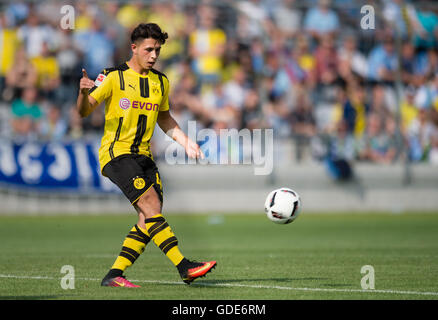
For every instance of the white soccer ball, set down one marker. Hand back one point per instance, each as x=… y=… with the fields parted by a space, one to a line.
x=283 y=205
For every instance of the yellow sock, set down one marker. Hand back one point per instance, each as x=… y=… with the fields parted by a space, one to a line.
x=134 y=245
x=159 y=231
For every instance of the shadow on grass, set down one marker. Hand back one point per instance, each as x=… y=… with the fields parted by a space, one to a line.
x=279 y=280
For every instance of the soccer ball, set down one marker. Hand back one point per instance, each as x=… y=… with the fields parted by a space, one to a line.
x=283 y=205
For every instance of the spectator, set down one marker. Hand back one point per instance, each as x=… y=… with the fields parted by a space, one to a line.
x=206 y=46
x=408 y=110
x=253 y=20
x=251 y=116
x=379 y=144
x=186 y=105
x=50 y=13
x=321 y=20
x=401 y=16
x=94 y=124
x=22 y=74
x=427 y=94
x=281 y=71
x=131 y=14
x=75 y=129
x=256 y=55
x=379 y=102
x=68 y=59
x=16 y=12
x=166 y=13
x=435 y=101
x=47 y=69
x=185 y=98
x=252 y=63
x=328 y=115
x=342 y=143
x=303 y=123
x=277 y=112
x=301 y=63
x=53 y=127
x=84 y=16
x=217 y=151
x=96 y=46
x=425 y=66
x=419 y=136
x=340 y=152
x=433 y=153
x=426 y=30
x=382 y=61
x=235 y=88
x=26 y=114
x=8 y=46
x=116 y=31
x=351 y=62
x=356 y=111
x=433 y=89
x=287 y=18
x=407 y=61
x=326 y=61
x=33 y=34
x=219 y=108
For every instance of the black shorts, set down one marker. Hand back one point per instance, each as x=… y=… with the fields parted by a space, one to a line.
x=134 y=174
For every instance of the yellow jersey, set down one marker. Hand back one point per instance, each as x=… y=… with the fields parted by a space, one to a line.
x=132 y=103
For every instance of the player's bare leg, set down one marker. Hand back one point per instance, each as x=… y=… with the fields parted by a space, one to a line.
x=149 y=209
x=147 y=206
x=135 y=241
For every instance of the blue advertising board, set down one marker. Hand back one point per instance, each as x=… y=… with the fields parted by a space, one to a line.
x=52 y=166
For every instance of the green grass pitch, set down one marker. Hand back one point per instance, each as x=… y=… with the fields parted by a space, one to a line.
x=319 y=256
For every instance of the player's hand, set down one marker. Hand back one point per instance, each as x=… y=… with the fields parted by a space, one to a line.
x=193 y=150
x=85 y=83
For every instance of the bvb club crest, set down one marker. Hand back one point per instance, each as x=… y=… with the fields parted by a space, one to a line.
x=155 y=88
x=139 y=183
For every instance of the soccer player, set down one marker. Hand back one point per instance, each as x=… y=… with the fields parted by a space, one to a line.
x=136 y=98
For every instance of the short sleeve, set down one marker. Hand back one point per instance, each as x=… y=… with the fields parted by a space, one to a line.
x=103 y=87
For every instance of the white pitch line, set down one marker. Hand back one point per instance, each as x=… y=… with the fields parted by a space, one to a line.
x=240 y=285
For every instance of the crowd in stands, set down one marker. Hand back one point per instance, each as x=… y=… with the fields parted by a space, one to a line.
x=304 y=68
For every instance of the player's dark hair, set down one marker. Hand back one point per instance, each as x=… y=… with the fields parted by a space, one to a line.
x=148 y=30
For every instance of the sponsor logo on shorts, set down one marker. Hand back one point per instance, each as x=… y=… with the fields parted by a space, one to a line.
x=139 y=183
x=124 y=103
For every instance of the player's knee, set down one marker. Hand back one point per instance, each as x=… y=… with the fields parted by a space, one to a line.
x=149 y=203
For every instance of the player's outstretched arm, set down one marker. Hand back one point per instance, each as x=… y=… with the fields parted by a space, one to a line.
x=168 y=124
x=85 y=104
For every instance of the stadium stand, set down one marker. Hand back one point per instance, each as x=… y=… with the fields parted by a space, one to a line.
x=331 y=91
